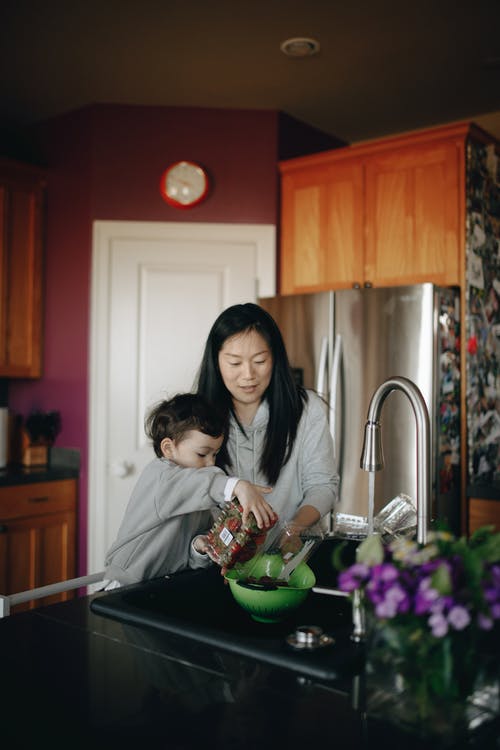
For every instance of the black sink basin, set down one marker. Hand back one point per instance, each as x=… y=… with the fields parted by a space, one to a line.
x=198 y=605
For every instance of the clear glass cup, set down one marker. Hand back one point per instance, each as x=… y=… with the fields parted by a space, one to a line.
x=350 y=526
x=397 y=518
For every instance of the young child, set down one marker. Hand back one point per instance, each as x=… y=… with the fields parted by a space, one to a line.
x=172 y=501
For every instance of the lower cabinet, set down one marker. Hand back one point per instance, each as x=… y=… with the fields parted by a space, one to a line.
x=37 y=538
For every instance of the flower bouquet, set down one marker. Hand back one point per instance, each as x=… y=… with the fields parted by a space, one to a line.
x=433 y=613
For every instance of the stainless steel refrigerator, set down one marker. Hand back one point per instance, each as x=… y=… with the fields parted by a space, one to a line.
x=344 y=345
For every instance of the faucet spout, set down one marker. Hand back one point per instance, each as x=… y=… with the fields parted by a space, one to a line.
x=372 y=458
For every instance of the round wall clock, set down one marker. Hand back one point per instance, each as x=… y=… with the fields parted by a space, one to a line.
x=184 y=184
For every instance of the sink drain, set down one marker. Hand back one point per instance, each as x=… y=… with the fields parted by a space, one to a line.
x=309 y=637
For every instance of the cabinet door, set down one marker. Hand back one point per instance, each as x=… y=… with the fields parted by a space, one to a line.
x=483 y=513
x=322 y=227
x=412 y=215
x=37 y=537
x=36 y=551
x=21 y=205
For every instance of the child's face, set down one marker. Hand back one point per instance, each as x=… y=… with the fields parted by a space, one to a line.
x=194 y=451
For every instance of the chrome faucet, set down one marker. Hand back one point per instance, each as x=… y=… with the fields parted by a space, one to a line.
x=372 y=458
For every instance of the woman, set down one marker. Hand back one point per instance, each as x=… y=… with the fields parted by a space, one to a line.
x=278 y=431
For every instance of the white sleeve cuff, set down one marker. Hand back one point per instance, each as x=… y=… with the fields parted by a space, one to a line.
x=195 y=551
x=230 y=485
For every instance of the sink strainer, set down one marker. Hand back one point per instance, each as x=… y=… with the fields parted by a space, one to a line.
x=309 y=637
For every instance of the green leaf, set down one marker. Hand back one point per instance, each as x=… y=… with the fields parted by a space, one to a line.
x=337 y=561
x=486 y=544
x=441 y=580
x=371 y=550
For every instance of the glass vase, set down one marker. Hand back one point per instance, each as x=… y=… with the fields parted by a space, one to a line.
x=437 y=688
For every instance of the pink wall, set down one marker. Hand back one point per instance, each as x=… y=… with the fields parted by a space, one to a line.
x=105 y=162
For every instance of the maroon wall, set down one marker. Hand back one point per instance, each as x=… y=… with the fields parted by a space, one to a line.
x=133 y=145
x=105 y=162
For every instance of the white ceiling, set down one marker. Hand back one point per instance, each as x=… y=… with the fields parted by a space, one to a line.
x=385 y=66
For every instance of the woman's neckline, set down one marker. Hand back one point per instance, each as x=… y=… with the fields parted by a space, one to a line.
x=243 y=414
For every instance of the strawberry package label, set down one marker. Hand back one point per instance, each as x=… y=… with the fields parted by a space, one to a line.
x=230 y=541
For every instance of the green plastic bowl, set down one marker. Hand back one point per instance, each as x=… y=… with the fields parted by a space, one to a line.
x=271 y=605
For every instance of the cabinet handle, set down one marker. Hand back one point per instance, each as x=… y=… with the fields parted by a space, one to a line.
x=3 y=528
x=38 y=499
x=368 y=284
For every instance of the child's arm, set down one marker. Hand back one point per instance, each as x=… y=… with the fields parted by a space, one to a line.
x=251 y=500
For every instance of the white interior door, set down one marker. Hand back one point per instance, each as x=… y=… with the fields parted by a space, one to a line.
x=156 y=290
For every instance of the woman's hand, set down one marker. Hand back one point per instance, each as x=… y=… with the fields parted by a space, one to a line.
x=291 y=542
x=251 y=500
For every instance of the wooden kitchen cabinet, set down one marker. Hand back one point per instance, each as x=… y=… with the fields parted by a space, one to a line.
x=382 y=213
x=21 y=243
x=412 y=215
x=322 y=216
x=37 y=537
x=483 y=512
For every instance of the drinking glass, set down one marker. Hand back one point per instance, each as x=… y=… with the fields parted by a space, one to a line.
x=397 y=518
x=350 y=526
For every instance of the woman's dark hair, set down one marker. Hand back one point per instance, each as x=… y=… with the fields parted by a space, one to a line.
x=285 y=398
x=184 y=412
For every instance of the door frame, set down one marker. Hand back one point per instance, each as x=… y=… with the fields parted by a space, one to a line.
x=104 y=233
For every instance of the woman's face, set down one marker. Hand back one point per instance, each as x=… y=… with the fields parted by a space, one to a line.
x=246 y=366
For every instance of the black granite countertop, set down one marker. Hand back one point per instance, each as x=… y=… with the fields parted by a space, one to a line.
x=16 y=474
x=64 y=463
x=73 y=678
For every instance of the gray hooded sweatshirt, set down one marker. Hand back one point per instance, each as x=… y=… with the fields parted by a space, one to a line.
x=308 y=477
x=168 y=507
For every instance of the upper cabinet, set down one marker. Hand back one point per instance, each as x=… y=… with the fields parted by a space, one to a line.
x=322 y=232
x=412 y=199
x=21 y=240
x=381 y=213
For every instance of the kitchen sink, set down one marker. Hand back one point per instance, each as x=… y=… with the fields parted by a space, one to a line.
x=199 y=605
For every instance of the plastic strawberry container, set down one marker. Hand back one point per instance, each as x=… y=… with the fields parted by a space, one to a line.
x=230 y=541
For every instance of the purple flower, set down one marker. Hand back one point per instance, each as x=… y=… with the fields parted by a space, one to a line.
x=490 y=594
x=445 y=583
x=484 y=622
x=425 y=597
x=395 y=601
x=438 y=625
x=458 y=617
x=495 y=611
x=385 y=572
x=386 y=592
x=351 y=579
x=495 y=575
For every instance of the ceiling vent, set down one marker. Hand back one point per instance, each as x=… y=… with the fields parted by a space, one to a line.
x=299 y=46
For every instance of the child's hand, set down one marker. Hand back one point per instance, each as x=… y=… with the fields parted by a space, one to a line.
x=251 y=500
x=200 y=543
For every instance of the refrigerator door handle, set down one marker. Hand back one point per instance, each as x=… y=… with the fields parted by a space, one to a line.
x=334 y=380
x=320 y=385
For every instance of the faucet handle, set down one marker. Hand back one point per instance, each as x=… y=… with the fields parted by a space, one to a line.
x=372 y=456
